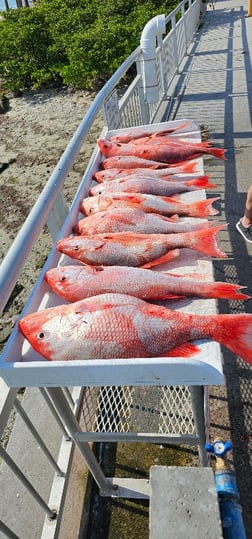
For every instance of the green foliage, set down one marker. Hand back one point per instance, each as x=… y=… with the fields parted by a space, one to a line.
x=74 y=42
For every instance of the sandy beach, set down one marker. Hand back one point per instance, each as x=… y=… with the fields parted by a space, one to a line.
x=34 y=133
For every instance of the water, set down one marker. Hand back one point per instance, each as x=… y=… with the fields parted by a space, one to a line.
x=12 y=4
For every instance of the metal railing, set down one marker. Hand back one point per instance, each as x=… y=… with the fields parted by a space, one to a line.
x=130 y=107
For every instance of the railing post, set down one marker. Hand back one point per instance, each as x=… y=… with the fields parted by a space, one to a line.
x=184 y=25
x=145 y=113
x=175 y=42
x=65 y=412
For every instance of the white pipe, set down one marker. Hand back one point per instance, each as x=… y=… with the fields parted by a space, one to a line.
x=153 y=29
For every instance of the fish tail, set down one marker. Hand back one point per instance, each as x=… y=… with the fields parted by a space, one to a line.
x=224 y=291
x=191 y=166
x=205 y=241
x=217 y=152
x=202 y=181
x=203 y=208
x=235 y=332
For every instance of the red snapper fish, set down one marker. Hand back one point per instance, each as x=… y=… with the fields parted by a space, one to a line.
x=149 y=203
x=160 y=139
x=166 y=174
x=129 y=161
x=150 y=186
x=130 y=249
x=134 y=220
x=74 y=283
x=135 y=134
x=169 y=153
x=120 y=326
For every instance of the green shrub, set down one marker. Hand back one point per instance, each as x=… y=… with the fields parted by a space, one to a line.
x=73 y=42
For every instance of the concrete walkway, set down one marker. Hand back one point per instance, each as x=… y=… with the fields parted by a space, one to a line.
x=214 y=88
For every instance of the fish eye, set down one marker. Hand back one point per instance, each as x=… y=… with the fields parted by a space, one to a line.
x=41 y=335
x=76 y=247
x=63 y=278
x=98 y=269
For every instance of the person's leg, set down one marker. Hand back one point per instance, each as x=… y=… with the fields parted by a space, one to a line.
x=244 y=226
x=247 y=218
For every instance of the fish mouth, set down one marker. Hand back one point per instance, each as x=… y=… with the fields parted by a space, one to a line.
x=60 y=246
x=76 y=228
x=26 y=327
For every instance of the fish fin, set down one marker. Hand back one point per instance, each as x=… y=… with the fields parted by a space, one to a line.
x=194 y=275
x=201 y=182
x=170 y=296
x=168 y=199
x=191 y=166
x=227 y=291
x=183 y=350
x=172 y=218
x=174 y=274
x=234 y=331
x=182 y=126
x=203 y=208
x=176 y=198
x=102 y=244
x=218 y=290
x=165 y=258
x=217 y=152
x=205 y=242
x=129 y=197
x=76 y=228
x=169 y=131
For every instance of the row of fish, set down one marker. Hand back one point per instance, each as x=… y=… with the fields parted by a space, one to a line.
x=134 y=221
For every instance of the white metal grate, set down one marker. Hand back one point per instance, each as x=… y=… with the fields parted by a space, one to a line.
x=165 y=410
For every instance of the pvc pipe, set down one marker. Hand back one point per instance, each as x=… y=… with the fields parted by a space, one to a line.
x=153 y=29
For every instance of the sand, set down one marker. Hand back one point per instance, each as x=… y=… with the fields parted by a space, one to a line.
x=34 y=133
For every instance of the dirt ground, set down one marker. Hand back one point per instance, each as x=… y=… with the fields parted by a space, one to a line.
x=34 y=132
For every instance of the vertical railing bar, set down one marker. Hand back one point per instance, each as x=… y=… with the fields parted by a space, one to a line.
x=61 y=404
x=16 y=470
x=68 y=395
x=54 y=413
x=198 y=406
x=37 y=437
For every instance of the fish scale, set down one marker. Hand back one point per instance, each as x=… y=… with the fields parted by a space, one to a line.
x=171 y=151
x=149 y=203
x=121 y=326
x=129 y=249
x=74 y=283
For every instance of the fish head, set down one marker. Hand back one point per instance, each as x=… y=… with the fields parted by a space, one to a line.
x=56 y=333
x=105 y=146
x=73 y=246
x=77 y=246
x=63 y=279
x=101 y=175
x=43 y=331
x=97 y=189
x=96 y=203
